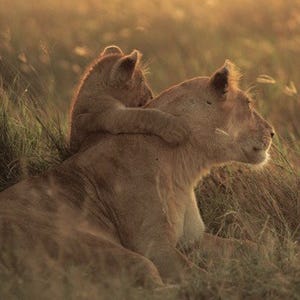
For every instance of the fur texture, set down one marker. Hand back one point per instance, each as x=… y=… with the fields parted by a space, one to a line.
x=129 y=199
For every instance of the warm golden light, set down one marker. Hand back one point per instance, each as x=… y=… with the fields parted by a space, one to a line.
x=45 y=47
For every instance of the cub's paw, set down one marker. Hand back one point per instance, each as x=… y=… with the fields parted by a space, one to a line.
x=175 y=132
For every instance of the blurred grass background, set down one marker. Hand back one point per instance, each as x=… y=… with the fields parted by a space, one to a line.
x=44 y=48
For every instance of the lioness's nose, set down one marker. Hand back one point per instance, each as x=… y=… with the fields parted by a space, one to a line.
x=271 y=130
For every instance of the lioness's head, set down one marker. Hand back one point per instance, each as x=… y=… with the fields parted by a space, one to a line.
x=223 y=121
x=121 y=76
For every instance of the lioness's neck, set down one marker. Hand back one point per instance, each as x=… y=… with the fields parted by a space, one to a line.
x=190 y=162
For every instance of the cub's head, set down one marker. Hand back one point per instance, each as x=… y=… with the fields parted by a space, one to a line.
x=121 y=76
x=223 y=122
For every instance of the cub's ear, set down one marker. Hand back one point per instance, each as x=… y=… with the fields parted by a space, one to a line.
x=123 y=69
x=111 y=50
x=225 y=78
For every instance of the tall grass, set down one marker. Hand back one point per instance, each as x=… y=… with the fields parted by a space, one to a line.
x=31 y=140
x=43 y=50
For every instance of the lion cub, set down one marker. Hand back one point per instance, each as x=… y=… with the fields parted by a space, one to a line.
x=110 y=98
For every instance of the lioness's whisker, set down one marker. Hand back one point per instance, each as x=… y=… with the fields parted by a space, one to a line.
x=220 y=131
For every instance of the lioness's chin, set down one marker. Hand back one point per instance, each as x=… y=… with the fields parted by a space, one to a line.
x=256 y=157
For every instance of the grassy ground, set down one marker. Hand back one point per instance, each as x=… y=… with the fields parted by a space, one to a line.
x=44 y=47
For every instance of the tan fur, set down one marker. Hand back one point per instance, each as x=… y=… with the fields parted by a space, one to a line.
x=108 y=97
x=129 y=198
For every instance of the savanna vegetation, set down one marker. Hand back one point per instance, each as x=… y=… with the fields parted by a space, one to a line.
x=44 y=48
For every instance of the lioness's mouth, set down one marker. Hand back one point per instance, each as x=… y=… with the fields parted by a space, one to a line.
x=261 y=147
x=256 y=155
x=257 y=149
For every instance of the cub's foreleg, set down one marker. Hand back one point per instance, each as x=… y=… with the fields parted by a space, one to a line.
x=113 y=117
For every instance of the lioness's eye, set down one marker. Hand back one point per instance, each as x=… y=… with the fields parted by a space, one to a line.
x=208 y=102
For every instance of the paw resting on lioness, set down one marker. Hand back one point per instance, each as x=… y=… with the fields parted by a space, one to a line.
x=175 y=131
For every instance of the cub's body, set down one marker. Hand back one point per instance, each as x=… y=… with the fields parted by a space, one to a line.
x=110 y=97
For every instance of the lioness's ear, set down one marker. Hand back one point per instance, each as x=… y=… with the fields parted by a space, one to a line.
x=219 y=80
x=111 y=50
x=225 y=78
x=124 y=68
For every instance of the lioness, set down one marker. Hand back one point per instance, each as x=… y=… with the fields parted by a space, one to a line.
x=109 y=99
x=129 y=198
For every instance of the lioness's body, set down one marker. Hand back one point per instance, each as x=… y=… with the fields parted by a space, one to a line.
x=138 y=208
x=134 y=194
